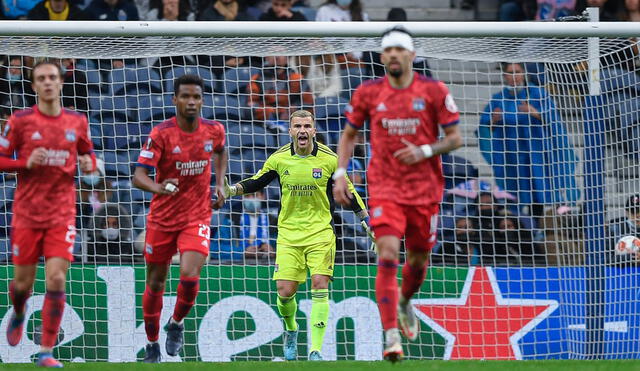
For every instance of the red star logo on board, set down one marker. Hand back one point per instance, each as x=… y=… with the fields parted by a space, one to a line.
x=481 y=324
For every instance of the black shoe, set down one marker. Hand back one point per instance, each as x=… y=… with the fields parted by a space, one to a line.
x=152 y=353
x=175 y=338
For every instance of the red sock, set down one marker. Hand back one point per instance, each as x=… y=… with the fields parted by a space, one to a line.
x=52 y=311
x=412 y=278
x=187 y=293
x=19 y=299
x=387 y=293
x=151 y=309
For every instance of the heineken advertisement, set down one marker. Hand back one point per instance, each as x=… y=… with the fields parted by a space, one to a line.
x=466 y=313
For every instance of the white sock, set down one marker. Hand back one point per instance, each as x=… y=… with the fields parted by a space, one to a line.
x=151 y=342
x=176 y=322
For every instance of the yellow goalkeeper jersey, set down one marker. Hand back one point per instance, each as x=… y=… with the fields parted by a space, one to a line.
x=306 y=205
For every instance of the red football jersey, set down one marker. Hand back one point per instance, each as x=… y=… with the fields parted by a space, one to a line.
x=416 y=114
x=46 y=195
x=174 y=153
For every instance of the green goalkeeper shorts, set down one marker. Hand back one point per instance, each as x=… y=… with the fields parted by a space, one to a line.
x=292 y=262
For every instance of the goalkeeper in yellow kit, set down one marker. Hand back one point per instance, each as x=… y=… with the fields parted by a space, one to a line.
x=306 y=238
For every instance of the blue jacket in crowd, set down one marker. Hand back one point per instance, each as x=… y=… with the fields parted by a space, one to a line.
x=533 y=159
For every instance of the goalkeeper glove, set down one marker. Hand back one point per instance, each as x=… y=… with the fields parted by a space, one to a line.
x=365 y=225
x=229 y=190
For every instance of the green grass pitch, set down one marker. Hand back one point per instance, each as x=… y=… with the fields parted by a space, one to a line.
x=355 y=365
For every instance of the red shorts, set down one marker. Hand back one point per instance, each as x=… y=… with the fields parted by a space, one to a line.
x=28 y=245
x=160 y=246
x=418 y=223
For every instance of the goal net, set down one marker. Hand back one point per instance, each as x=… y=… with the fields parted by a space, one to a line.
x=527 y=264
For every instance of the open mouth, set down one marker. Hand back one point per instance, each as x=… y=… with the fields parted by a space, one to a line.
x=303 y=139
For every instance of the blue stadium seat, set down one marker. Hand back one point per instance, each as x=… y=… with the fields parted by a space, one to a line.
x=140 y=196
x=207 y=76
x=253 y=136
x=237 y=79
x=225 y=107
x=115 y=165
x=283 y=138
x=351 y=79
x=102 y=135
x=330 y=107
x=169 y=109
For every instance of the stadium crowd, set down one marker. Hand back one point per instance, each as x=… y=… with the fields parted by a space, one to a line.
x=512 y=222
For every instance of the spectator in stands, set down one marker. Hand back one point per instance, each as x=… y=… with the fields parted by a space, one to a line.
x=341 y=11
x=281 y=11
x=93 y=193
x=523 y=138
x=516 y=10
x=74 y=90
x=488 y=209
x=57 y=10
x=224 y=10
x=509 y=239
x=321 y=72
x=110 y=236
x=462 y=249
x=13 y=9
x=553 y=9
x=633 y=9
x=277 y=90
x=113 y=10
x=15 y=87
x=254 y=228
x=169 y=10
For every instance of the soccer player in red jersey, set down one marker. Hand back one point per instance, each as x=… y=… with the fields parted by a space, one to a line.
x=48 y=142
x=180 y=151
x=405 y=111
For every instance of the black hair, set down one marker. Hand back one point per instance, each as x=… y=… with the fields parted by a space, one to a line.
x=397 y=15
x=187 y=80
x=45 y=62
x=396 y=29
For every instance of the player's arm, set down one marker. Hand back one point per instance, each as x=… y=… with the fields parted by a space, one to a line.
x=148 y=160
x=358 y=207
x=341 y=192
x=36 y=158
x=257 y=182
x=86 y=156
x=220 y=159
x=448 y=117
x=142 y=180
x=10 y=142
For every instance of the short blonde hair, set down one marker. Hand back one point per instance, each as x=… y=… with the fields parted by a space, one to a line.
x=302 y=114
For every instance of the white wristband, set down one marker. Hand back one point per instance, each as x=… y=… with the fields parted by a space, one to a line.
x=427 y=150
x=339 y=173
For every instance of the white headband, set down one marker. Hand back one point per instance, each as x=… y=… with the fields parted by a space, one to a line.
x=397 y=38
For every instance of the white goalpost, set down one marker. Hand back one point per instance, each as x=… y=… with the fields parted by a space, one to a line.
x=526 y=267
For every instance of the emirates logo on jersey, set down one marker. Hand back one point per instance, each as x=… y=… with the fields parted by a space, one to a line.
x=400 y=126
x=191 y=167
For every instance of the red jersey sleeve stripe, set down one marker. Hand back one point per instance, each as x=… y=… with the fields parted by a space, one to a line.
x=454 y=122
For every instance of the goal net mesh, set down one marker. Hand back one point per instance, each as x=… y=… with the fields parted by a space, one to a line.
x=525 y=266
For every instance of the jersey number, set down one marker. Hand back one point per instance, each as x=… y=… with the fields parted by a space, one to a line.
x=204 y=231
